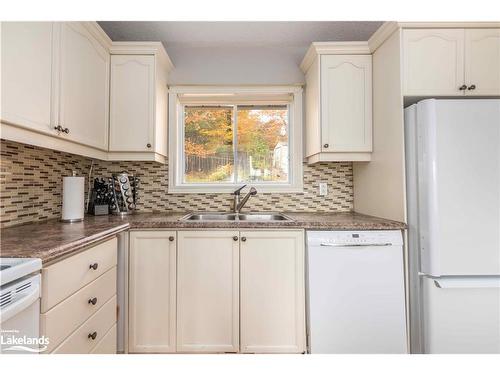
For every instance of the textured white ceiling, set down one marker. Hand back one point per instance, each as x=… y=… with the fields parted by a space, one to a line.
x=232 y=34
x=238 y=52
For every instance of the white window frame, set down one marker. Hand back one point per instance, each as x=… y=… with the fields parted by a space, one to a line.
x=176 y=182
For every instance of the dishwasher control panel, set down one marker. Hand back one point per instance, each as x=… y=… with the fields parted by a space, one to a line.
x=355 y=238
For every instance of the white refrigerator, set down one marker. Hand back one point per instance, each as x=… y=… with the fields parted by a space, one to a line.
x=453 y=197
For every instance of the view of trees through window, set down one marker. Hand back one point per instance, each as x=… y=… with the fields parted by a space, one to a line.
x=260 y=153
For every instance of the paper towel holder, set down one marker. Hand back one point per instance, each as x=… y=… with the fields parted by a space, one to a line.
x=74 y=213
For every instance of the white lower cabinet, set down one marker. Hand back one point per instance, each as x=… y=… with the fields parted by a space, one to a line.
x=152 y=291
x=217 y=291
x=208 y=291
x=272 y=292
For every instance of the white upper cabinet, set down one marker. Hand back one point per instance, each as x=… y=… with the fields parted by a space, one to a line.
x=132 y=103
x=83 y=86
x=138 y=101
x=433 y=61
x=482 y=61
x=346 y=103
x=451 y=62
x=338 y=102
x=27 y=53
x=55 y=81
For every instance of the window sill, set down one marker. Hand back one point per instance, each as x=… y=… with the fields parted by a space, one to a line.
x=261 y=188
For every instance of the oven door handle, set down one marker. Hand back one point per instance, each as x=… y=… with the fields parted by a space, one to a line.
x=22 y=303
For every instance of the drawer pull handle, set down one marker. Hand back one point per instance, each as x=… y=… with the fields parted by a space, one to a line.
x=471 y=87
x=243 y=239
x=93 y=301
x=171 y=238
x=235 y=238
x=463 y=87
x=92 y=335
x=93 y=266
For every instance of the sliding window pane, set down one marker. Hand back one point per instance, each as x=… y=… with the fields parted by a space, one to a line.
x=262 y=143
x=208 y=144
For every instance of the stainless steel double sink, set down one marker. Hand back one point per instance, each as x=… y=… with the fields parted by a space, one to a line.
x=218 y=216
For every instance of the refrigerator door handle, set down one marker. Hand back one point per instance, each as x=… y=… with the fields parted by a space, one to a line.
x=467 y=282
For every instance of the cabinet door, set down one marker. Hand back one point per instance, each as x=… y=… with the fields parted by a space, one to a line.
x=83 y=86
x=272 y=292
x=27 y=74
x=482 y=61
x=433 y=61
x=132 y=103
x=208 y=291
x=152 y=292
x=346 y=103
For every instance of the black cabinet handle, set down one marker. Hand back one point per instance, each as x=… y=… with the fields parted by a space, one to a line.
x=326 y=145
x=148 y=145
x=59 y=128
x=65 y=130
x=463 y=87
x=235 y=238
x=92 y=335
x=471 y=87
x=171 y=238
x=243 y=239
x=93 y=301
x=93 y=266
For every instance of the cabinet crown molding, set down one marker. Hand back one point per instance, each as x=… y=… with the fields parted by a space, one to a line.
x=387 y=28
x=333 y=48
x=142 y=48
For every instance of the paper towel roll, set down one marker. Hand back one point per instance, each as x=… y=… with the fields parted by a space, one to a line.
x=73 y=198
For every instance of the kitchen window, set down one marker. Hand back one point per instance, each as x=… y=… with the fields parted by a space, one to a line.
x=221 y=138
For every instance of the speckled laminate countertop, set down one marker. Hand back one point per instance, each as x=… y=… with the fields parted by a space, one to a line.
x=53 y=240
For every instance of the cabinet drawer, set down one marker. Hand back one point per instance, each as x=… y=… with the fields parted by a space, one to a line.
x=60 y=321
x=107 y=345
x=99 y=323
x=62 y=279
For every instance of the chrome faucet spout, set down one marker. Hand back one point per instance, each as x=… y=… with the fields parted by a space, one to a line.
x=239 y=204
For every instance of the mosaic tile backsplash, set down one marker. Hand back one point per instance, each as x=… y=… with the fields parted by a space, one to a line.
x=31 y=186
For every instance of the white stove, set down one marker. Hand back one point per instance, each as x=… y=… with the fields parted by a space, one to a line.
x=20 y=305
x=12 y=269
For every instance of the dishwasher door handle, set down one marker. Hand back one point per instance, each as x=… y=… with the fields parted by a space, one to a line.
x=354 y=244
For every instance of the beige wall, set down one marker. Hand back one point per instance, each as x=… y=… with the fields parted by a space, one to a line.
x=379 y=186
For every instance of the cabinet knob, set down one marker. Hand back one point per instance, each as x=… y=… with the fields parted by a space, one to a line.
x=471 y=87
x=243 y=239
x=148 y=145
x=235 y=238
x=59 y=128
x=171 y=238
x=326 y=145
x=93 y=266
x=93 y=301
x=65 y=130
x=92 y=335
x=463 y=87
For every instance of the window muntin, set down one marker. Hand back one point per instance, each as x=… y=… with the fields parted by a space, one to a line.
x=236 y=144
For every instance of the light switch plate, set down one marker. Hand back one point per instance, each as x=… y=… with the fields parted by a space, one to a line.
x=323 y=188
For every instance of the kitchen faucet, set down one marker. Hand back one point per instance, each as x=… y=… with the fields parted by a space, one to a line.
x=238 y=204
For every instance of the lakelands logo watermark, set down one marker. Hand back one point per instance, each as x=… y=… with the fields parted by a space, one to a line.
x=11 y=341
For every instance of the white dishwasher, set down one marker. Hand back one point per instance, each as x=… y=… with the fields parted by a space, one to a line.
x=356 y=294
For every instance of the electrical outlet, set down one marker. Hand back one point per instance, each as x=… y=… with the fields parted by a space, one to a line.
x=323 y=188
